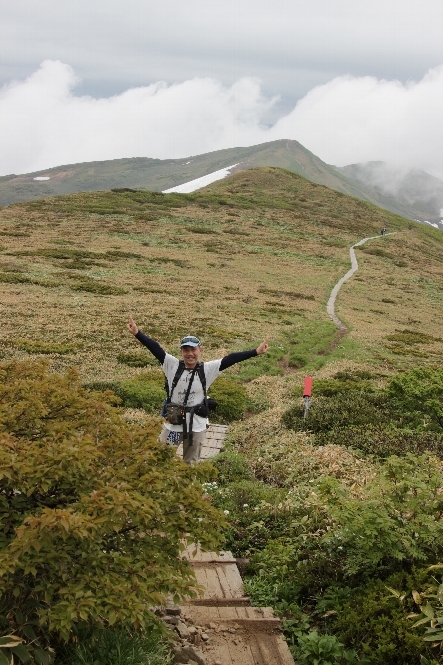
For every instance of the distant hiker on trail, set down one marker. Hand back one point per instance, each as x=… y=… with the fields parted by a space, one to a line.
x=383 y=231
x=187 y=407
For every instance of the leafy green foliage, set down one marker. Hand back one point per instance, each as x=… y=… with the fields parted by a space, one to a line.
x=115 y=646
x=343 y=409
x=317 y=649
x=231 y=467
x=254 y=516
x=376 y=617
x=38 y=346
x=136 y=359
x=92 y=509
x=412 y=337
x=431 y=613
x=232 y=399
x=419 y=393
x=383 y=440
x=145 y=391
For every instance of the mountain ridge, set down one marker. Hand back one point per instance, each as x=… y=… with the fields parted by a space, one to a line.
x=159 y=175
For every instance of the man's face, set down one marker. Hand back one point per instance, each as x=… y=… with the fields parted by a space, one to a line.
x=191 y=355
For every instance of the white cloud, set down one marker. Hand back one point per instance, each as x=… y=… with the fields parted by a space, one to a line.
x=354 y=119
x=48 y=125
x=347 y=120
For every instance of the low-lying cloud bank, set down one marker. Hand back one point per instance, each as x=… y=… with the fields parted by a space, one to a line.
x=345 y=121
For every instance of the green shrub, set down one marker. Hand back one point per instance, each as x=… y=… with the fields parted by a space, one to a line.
x=316 y=649
x=431 y=613
x=143 y=392
x=376 y=623
x=419 y=394
x=115 y=646
x=99 y=288
x=383 y=440
x=37 y=346
x=256 y=515
x=335 y=538
x=232 y=399
x=88 y=510
x=14 y=278
x=136 y=359
x=341 y=410
x=412 y=337
x=342 y=382
x=20 y=278
x=231 y=467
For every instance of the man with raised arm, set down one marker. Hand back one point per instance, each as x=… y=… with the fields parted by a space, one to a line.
x=184 y=379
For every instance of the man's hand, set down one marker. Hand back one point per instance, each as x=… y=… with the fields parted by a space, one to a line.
x=263 y=347
x=132 y=327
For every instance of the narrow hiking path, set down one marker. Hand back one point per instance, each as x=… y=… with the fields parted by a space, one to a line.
x=330 y=307
x=220 y=627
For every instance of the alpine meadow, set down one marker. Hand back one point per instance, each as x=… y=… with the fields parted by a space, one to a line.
x=338 y=515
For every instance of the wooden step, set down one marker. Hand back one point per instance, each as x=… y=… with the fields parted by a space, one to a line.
x=241 y=635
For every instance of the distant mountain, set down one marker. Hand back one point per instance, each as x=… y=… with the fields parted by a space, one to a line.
x=412 y=187
x=159 y=175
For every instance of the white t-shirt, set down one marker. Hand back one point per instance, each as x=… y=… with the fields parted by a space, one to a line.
x=196 y=395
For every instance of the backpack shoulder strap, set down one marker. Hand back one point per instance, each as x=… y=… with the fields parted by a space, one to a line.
x=202 y=376
x=175 y=380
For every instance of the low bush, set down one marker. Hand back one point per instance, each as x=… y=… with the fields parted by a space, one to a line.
x=412 y=337
x=232 y=399
x=383 y=440
x=20 y=278
x=145 y=391
x=136 y=359
x=418 y=393
x=338 y=538
x=115 y=646
x=231 y=467
x=99 y=288
x=37 y=346
x=376 y=622
x=351 y=407
x=256 y=515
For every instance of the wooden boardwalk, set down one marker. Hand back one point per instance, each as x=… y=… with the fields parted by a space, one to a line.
x=238 y=634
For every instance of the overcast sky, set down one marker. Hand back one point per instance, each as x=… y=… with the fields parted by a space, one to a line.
x=352 y=80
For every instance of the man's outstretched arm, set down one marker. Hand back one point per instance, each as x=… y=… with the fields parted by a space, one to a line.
x=239 y=356
x=151 y=344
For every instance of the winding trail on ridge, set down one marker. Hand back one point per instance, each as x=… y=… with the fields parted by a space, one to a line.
x=330 y=307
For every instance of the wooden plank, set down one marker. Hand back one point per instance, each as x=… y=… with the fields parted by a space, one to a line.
x=222 y=557
x=213 y=588
x=230 y=580
x=209 y=453
x=265 y=649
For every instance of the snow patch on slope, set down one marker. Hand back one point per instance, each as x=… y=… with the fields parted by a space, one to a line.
x=198 y=183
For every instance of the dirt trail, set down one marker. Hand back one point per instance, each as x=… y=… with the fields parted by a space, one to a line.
x=330 y=307
x=229 y=631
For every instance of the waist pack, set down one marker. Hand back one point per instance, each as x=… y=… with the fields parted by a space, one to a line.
x=175 y=413
x=205 y=407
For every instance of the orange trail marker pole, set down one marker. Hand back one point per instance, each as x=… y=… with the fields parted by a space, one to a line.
x=307 y=392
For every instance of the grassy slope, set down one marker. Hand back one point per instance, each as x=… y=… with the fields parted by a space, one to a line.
x=255 y=254
x=158 y=175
